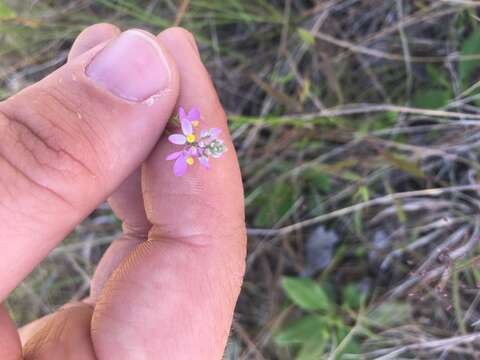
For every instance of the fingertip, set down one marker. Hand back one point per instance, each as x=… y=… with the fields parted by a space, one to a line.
x=197 y=88
x=177 y=33
x=91 y=37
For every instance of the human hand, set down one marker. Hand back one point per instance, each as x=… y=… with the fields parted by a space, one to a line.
x=167 y=287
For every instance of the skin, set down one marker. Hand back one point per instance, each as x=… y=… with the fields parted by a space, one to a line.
x=167 y=287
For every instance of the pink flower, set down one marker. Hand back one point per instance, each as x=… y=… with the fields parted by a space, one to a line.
x=186 y=137
x=193 y=115
x=206 y=145
x=182 y=160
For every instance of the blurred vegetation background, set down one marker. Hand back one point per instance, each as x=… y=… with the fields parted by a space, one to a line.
x=357 y=127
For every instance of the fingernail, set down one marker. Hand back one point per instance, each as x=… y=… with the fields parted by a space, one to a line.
x=132 y=67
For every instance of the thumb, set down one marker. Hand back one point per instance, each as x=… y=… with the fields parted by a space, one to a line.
x=71 y=139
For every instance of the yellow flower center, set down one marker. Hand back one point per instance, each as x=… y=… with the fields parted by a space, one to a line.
x=195 y=122
x=190 y=160
x=191 y=138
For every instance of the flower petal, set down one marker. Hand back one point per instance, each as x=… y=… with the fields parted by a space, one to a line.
x=178 y=139
x=180 y=167
x=174 y=155
x=214 y=132
x=193 y=151
x=194 y=114
x=181 y=113
x=204 y=161
x=186 y=126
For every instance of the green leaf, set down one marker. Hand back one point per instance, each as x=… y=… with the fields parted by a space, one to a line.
x=406 y=165
x=363 y=193
x=375 y=122
x=353 y=347
x=306 y=36
x=274 y=204
x=352 y=297
x=306 y=293
x=6 y=13
x=313 y=349
x=432 y=98
x=319 y=180
x=301 y=331
x=349 y=175
x=390 y=314
x=467 y=68
x=349 y=345
x=438 y=77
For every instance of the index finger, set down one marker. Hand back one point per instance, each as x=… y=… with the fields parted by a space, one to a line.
x=176 y=293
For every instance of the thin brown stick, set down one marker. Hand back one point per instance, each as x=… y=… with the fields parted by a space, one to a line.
x=394 y=57
x=182 y=10
x=357 y=109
